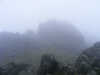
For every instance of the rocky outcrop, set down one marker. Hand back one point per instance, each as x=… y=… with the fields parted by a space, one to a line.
x=89 y=61
x=50 y=65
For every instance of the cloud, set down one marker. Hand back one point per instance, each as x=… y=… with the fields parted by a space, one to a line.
x=20 y=15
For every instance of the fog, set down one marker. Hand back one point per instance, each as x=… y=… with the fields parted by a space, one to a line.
x=66 y=32
x=21 y=15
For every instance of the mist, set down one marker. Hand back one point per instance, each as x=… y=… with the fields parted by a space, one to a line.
x=21 y=15
x=67 y=29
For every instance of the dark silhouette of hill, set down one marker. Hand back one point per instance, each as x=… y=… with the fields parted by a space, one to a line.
x=52 y=36
x=16 y=45
x=60 y=35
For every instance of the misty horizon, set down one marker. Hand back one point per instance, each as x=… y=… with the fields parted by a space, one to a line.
x=22 y=15
x=49 y=37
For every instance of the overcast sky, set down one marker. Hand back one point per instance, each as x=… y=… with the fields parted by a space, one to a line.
x=20 y=15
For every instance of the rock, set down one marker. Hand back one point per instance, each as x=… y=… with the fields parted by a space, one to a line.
x=48 y=65
x=89 y=60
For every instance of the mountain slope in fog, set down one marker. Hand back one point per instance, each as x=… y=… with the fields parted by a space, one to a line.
x=60 y=35
x=14 y=45
x=53 y=36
